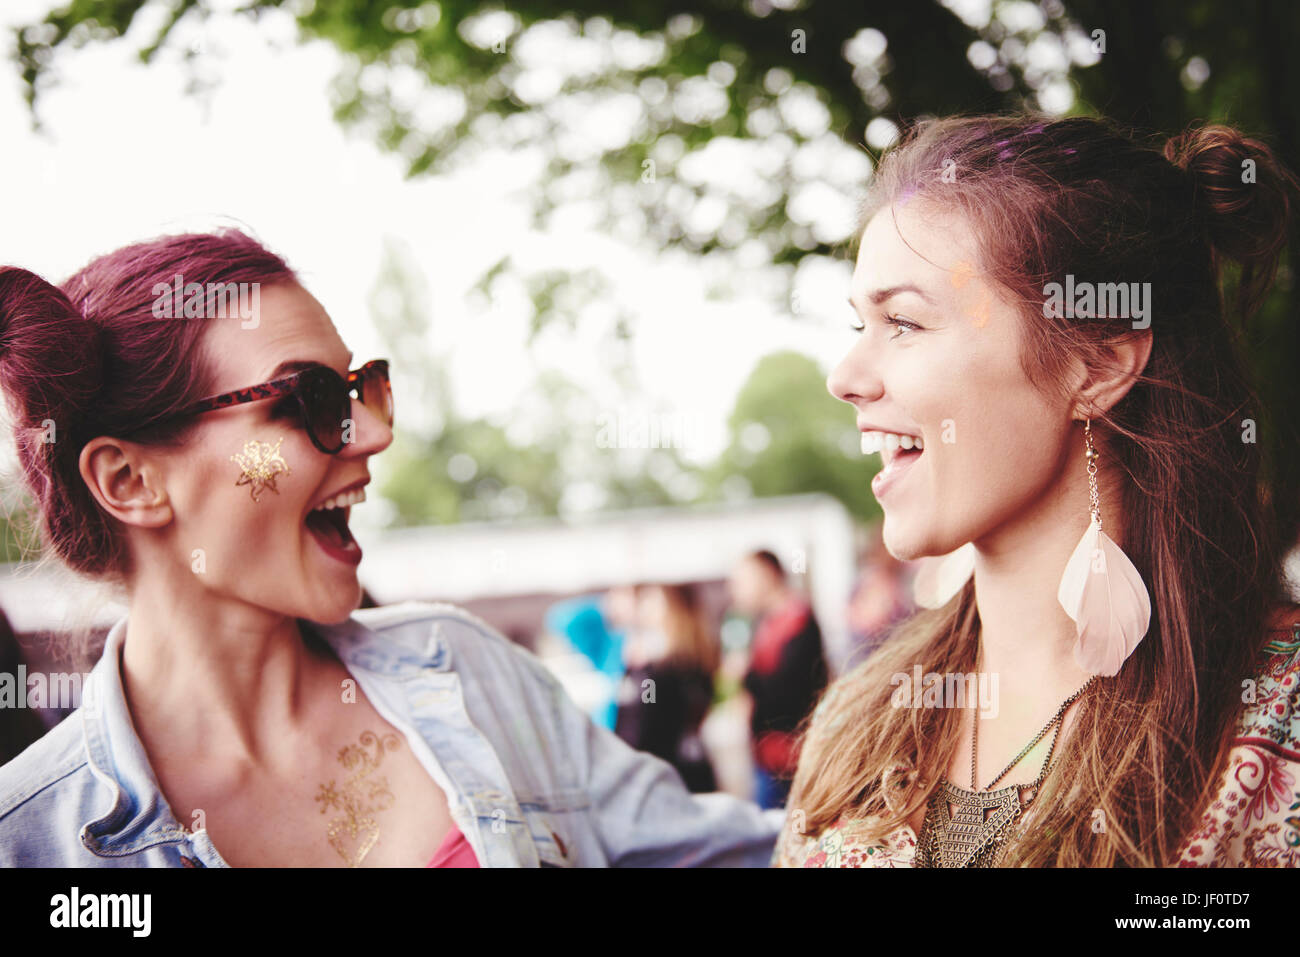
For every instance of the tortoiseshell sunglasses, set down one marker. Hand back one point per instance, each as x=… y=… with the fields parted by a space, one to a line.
x=324 y=399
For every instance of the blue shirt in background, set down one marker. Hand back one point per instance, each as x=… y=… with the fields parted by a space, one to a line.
x=582 y=623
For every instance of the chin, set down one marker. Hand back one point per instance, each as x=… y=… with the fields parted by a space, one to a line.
x=336 y=612
x=908 y=546
x=899 y=545
x=336 y=619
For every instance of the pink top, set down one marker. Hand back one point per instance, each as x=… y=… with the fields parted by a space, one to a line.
x=454 y=851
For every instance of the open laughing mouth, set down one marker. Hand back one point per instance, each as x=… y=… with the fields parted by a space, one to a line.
x=898 y=452
x=328 y=524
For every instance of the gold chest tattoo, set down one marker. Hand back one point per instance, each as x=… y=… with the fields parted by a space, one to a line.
x=361 y=796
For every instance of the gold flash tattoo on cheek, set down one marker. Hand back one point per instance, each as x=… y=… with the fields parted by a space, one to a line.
x=361 y=796
x=261 y=462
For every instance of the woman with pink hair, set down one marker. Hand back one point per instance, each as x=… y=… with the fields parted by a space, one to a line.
x=194 y=431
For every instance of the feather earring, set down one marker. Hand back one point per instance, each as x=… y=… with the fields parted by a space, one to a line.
x=1102 y=591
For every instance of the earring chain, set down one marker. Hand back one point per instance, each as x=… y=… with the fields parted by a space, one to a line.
x=1090 y=452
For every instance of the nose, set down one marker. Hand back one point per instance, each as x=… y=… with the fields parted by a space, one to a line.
x=855 y=379
x=370 y=433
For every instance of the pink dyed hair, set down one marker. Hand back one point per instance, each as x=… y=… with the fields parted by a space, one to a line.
x=90 y=357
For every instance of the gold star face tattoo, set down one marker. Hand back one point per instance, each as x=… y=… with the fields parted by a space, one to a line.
x=354 y=832
x=261 y=463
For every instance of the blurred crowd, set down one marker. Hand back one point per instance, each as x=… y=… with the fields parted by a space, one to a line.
x=667 y=667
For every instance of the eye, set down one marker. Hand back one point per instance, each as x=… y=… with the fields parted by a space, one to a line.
x=899 y=323
x=856 y=323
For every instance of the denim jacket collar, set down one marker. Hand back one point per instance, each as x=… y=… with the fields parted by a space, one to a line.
x=139 y=816
x=356 y=643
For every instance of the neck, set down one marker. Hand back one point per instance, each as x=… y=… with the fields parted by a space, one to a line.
x=1025 y=636
x=222 y=677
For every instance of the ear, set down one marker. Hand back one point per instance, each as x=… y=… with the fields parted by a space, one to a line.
x=125 y=482
x=1118 y=362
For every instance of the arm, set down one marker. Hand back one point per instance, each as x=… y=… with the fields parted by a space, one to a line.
x=645 y=817
x=627 y=808
x=641 y=812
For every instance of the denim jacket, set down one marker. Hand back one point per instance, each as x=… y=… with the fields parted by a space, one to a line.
x=529 y=779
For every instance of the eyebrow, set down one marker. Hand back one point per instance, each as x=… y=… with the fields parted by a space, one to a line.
x=889 y=292
x=290 y=366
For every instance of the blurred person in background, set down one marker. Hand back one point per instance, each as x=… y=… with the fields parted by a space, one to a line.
x=192 y=433
x=671 y=657
x=787 y=669
x=881 y=599
x=596 y=626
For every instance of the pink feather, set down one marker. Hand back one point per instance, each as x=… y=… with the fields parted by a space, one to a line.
x=1105 y=595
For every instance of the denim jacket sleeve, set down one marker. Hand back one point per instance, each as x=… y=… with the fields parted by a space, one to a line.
x=568 y=775
x=641 y=812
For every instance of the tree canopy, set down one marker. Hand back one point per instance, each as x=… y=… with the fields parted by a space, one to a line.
x=792 y=96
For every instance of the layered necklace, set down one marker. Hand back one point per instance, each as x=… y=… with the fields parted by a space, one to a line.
x=969 y=828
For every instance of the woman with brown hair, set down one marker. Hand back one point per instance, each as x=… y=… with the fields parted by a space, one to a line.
x=1048 y=365
x=671 y=656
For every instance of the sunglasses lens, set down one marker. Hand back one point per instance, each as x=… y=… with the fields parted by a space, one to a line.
x=377 y=392
x=327 y=405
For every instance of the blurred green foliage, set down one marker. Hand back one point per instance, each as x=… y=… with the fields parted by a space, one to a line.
x=18 y=538
x=788 y=435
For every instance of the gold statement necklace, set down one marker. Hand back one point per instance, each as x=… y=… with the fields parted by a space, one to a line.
x=969 y=828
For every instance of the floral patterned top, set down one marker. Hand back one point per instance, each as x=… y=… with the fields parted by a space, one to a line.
x=1253 y=822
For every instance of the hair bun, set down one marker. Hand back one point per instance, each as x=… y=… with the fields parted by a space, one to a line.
x=49 y=352
x=1245 y=197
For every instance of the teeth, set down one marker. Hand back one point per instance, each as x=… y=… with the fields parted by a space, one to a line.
x=343 y=500
x=888 y=443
